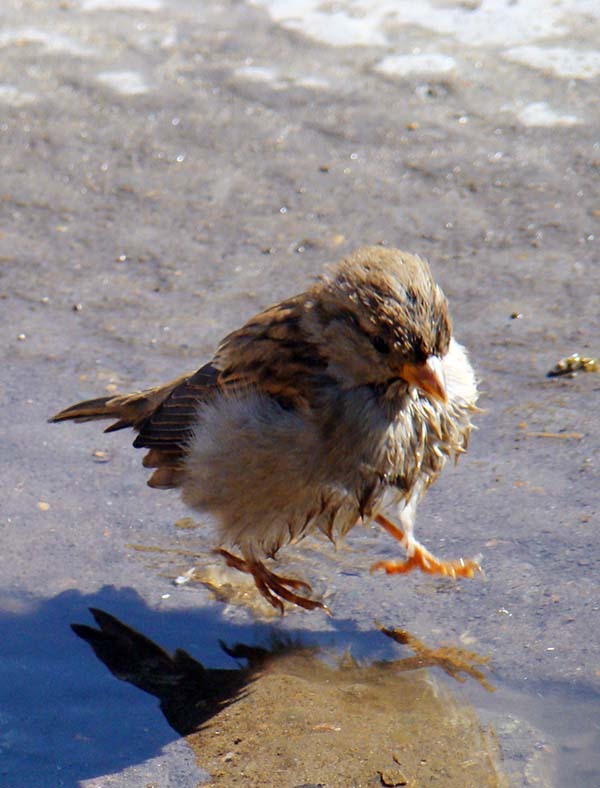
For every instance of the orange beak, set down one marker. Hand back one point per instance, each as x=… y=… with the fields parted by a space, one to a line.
x=427 y=376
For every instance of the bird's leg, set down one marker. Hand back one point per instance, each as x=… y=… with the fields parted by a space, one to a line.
x=419 y=557
x=247 y=566
x=273 y=587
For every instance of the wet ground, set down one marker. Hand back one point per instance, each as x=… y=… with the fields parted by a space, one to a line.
x=168 y=168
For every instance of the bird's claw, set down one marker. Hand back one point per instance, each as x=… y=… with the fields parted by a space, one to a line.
x=274 y=588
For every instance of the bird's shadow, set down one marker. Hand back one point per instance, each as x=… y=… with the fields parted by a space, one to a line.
x=66 y=720
x=190 y=694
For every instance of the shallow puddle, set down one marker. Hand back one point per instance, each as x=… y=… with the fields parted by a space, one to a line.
x=290 y=715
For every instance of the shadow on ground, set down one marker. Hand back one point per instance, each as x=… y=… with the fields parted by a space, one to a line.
x=68 y=721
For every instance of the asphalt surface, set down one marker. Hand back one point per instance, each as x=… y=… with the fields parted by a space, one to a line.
x=170 y=168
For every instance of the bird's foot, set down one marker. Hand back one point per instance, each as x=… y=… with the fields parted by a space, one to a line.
x=419 y=557
x=274 y=588
x=425 y=561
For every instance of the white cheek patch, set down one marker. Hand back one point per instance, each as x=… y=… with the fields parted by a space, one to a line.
x=460 y=380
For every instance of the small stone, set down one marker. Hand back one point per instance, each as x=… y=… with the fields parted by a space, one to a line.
x=187 y=523
x=43 y=506
x=392 y=777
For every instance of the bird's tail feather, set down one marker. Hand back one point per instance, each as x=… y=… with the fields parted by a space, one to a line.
x=129 y=410
x=151 y=413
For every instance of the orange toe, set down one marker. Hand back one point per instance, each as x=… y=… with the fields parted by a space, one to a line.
x=425 y=561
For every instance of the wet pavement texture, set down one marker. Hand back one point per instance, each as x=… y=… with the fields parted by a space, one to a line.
x=168 y=169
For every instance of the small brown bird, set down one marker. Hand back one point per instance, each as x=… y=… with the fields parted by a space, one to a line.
x=319 y=412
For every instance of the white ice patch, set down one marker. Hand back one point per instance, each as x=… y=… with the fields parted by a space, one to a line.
x=338 y=29
x=128 y=83
x=53 y=43
x=540 y=113
x=278 y=81
x=9 y=94
x=561 y=61
x=314 y=83
x=424 y=63
x=340 y=26
x=490 y=22
x=121 y=5
x=258 y=74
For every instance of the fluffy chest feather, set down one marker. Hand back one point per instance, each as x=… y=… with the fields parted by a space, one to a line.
x=269 y=474
x=396 y=433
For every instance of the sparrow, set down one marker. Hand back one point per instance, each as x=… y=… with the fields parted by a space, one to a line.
x=322 y=411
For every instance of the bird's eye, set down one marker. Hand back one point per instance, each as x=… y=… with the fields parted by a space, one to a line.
x=380 y=345
x=350 y=318
x=420 y=354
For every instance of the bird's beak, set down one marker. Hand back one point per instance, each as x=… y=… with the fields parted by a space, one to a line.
x=428 y=376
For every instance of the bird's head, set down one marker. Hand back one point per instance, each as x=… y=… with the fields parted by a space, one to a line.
x=378 y=316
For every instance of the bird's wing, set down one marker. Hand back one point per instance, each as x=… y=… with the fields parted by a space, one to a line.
x=168 y=426
x=272 y=355
x=269 y=354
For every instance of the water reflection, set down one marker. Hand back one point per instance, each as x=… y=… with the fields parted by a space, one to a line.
x=453 y=660
x=189 y=693
x=292 y=714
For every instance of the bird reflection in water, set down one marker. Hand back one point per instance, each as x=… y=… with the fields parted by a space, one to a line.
x=289 y=714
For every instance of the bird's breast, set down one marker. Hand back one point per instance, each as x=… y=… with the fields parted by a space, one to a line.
x=382 y=443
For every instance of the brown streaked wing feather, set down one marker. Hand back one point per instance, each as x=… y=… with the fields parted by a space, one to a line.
x=167 y=430
x=166 y=477
x=271 y=354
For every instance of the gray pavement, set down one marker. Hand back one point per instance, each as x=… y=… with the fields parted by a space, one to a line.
x=168 y=168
